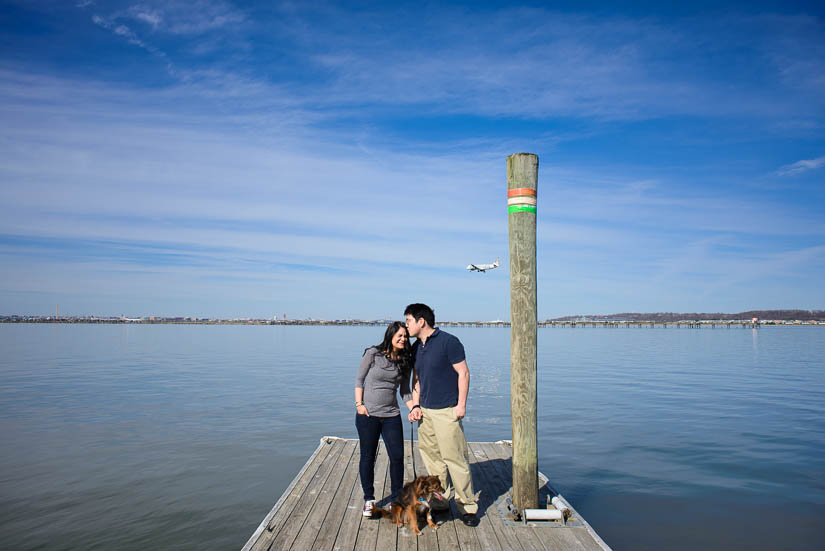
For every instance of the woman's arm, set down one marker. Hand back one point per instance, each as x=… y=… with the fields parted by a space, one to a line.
x=359 y=402
x=363 y=369
x=404 y=388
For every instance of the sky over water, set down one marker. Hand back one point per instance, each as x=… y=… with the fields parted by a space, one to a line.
x=342 y=160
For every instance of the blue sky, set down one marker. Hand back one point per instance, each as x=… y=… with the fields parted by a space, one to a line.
x=333 y=160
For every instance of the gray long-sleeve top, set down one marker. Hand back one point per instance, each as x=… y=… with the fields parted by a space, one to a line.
x=381 y=378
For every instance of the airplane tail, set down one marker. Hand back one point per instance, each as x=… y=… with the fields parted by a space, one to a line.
x=495 y=263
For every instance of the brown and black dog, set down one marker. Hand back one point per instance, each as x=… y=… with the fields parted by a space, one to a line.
x=416 y=497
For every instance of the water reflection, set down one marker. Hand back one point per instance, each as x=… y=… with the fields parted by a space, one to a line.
x=755 y=338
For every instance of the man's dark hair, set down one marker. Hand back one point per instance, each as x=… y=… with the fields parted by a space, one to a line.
x=419 y=311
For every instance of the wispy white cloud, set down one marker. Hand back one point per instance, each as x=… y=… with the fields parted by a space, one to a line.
x=151 y=16
x=170 y=18
x=561 y=65
x=183 y=18
x=124 y=31
x=201 y=16
x=801 y=166
x=557 y=65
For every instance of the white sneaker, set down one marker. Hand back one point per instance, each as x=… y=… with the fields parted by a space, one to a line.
x=368 y=507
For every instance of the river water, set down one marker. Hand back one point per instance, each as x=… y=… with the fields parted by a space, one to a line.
x=183 y=436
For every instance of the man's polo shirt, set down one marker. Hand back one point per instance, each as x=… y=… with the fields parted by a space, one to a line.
x=434 y=364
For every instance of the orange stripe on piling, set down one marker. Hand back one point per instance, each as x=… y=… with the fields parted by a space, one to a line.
x=521 y=191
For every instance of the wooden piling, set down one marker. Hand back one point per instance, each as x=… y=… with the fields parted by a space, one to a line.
x=522 y=181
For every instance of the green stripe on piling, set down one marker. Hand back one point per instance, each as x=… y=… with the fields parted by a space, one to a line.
x=521 y=208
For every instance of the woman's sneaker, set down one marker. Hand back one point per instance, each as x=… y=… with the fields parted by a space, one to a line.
x=368 y=507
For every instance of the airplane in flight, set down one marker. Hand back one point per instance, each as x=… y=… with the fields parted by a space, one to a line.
x=482 y=267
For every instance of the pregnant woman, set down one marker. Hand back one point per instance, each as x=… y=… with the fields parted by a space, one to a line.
x=385 y=368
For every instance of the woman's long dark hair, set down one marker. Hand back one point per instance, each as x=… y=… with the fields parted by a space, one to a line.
x=404 y=357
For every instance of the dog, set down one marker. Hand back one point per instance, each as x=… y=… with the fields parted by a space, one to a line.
x=416 y=497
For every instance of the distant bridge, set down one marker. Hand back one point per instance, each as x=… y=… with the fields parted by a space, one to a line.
x=631 y=323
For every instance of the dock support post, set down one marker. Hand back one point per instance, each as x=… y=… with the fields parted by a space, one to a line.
x=522 y=181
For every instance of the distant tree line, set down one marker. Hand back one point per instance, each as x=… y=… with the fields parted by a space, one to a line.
x=786 y=315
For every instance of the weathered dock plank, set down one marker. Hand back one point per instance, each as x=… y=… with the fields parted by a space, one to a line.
x=296 y=521
x=321 y=509
x=407 y=541
x=338 y=507
x=387 y=531
x=316 y=519
x=368 y=533
x=493 y=466
x=351 y=521
x=467 y=537
x=442 y=539
x=539 y=538
x=491 y=533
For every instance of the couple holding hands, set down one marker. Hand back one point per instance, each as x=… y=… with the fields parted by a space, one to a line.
x=433 y=380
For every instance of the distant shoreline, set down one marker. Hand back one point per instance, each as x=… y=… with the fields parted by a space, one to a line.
x=353 y=323
x=762 y=317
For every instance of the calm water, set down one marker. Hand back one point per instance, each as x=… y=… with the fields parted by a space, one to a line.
x=183 y=437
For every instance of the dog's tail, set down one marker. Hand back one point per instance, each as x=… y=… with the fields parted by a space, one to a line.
x=378 y=512
x=395 y=513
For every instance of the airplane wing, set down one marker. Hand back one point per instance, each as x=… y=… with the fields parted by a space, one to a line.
x=472 y=267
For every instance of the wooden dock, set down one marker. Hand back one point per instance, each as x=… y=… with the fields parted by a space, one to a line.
x=321 y=509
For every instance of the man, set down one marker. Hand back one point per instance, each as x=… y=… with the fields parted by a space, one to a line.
x=441 y=381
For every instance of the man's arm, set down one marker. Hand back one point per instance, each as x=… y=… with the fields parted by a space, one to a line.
x=463 y=387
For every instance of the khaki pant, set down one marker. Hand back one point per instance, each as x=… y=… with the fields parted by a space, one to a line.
x=444 y=451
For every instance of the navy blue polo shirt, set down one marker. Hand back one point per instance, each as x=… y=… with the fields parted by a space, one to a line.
x=434 y=364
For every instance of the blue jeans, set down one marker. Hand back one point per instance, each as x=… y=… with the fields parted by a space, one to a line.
x=391 y=430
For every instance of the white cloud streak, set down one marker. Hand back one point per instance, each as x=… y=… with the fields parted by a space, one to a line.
x=537 y=64
x=152 y=17
x=123 y=31
x=525 y=63
x=801 y=166
x=182 y=18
